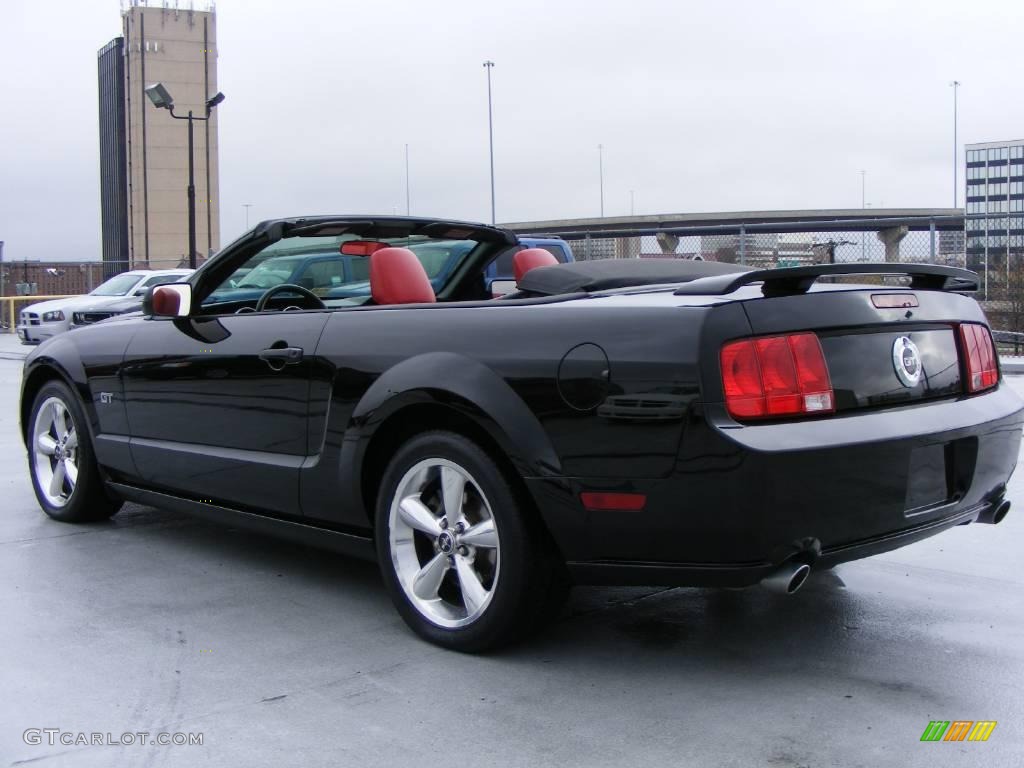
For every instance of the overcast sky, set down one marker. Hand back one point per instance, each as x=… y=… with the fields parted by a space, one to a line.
x=710 y=106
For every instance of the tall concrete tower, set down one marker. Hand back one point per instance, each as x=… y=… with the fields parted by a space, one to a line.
x=144 y=151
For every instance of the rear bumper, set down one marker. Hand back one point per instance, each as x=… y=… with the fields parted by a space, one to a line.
x=741 y=500
x=747 y=574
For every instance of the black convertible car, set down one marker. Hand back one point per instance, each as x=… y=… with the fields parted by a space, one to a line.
x=615 y=422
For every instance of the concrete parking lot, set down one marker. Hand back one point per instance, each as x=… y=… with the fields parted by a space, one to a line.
x=282 y=655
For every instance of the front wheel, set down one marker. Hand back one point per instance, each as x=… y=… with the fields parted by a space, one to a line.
x=65 y=478
x=467 y=566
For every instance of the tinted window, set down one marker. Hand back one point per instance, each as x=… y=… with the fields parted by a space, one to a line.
x=503 y=264
x=321 y=276
x=360 y=269
x=271 y=272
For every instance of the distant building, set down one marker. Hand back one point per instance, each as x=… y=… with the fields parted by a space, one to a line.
x=994 y=179
x=759 y=248
x=951 y=247
x=113 y=158
x=605 y=248
x=737 y=248
x=144 y=151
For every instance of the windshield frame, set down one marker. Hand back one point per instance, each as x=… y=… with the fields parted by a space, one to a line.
x=489 y=242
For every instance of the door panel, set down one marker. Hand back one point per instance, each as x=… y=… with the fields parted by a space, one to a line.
x=218 y=407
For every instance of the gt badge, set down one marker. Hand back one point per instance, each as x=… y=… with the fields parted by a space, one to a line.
x=906 y=359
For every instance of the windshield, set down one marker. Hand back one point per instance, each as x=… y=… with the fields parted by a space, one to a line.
x=317 y=264
x=119 y=285
x=270 y=273
x=439 y=257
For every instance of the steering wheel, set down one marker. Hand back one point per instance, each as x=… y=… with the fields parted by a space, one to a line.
x=305 y=292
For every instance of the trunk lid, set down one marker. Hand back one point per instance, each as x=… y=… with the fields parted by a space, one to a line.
x=876 y=356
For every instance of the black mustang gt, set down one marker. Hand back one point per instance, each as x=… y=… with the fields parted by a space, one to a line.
x=613 y=422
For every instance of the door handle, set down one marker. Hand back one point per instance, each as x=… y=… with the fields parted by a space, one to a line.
x=282 y=356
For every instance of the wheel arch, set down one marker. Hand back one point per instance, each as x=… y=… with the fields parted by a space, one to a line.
x=448 y=392
x=37 y=375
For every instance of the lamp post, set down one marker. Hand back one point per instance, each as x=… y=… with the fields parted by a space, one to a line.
x=162 y=100
x=863 y=204
x=489 y=65
x=600 y=173
x=955 y=84
x=408 y=207
x=247 y=206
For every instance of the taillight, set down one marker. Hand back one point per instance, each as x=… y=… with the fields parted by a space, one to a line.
x=776 y=376
x=982 y=369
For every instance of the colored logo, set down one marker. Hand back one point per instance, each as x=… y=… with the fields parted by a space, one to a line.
x=906 y=359
x=958 y=730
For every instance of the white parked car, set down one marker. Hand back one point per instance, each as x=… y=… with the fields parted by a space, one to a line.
x=39 y=322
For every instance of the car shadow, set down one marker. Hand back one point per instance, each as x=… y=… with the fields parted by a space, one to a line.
x=720 y=625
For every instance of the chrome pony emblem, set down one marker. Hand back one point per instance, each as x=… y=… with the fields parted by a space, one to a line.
x=906 y=360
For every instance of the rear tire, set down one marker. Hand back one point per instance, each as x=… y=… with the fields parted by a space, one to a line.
x=466 y=561
x=61 y=461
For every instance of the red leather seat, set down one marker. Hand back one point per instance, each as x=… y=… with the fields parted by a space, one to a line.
x=398 y=277
x=530 y=258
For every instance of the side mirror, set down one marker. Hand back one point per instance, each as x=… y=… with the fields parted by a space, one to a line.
x=168 y=300
x=141 y=292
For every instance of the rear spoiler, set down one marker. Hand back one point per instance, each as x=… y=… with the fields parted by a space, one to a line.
x=787 y=280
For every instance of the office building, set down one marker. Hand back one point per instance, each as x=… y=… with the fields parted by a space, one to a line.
x=759 y=248
x=994 y=180
x=144 y=151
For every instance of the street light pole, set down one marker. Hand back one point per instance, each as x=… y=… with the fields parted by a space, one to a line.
x=162 y=100
x=247 y=206
x=863 y=204
x=600 y=171
x=956 y=85
x=489 y=65
x=191 y=197
x=407 y=207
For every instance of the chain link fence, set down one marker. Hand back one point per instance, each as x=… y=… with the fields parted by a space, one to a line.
x=991 y=245
x=61 y=278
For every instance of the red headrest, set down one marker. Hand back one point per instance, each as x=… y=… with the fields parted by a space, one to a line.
x=528 y=258
x=398 y=277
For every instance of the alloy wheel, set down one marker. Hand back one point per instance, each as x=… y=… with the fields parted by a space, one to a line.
x=55 y=451
x=444 y=542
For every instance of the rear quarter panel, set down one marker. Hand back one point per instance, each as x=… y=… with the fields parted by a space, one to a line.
x=486 y=354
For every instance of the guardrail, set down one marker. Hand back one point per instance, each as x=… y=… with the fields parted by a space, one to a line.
x=1007 y=340
x=8 y=315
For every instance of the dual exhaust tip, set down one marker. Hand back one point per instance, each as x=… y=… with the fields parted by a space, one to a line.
x=791 y=575
x=994 y=513
x=787 y=578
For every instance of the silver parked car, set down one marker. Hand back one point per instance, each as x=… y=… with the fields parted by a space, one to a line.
x=41 y=321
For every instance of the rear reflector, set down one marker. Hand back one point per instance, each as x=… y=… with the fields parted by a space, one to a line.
x=618 y=502
x=776 y=376
x=980 y=356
